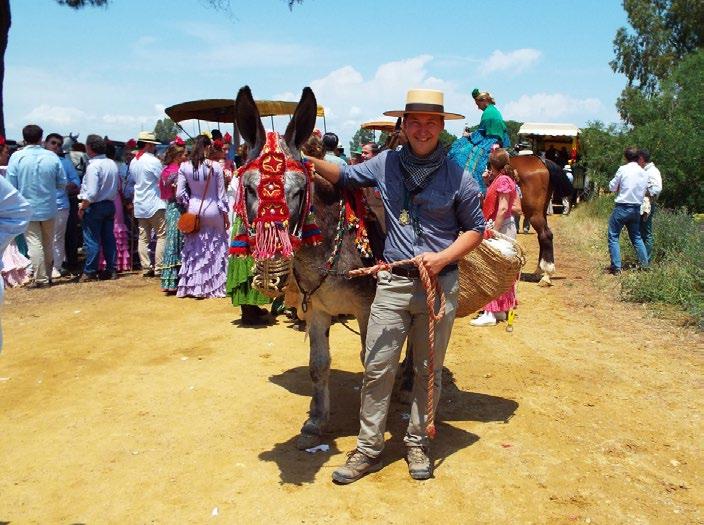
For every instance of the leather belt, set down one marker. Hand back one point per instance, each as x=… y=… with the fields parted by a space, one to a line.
x=412 y=271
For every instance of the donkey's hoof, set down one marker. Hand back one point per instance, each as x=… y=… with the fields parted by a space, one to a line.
x=305 y=441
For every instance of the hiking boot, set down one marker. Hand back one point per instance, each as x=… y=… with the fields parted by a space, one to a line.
x=357 y=465
x=419 y=464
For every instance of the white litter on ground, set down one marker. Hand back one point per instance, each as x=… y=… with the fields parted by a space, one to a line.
x=319 y=448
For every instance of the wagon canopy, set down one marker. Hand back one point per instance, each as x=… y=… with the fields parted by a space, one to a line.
x=223 y=109
x=380 y=125
x=548 y=129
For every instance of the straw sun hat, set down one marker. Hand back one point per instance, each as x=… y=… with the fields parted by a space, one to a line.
x=429 y=101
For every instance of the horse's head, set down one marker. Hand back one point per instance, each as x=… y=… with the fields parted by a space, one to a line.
x=275 y=189
x=69 y=142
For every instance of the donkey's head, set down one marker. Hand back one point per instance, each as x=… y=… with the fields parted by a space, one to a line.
x=275 y=188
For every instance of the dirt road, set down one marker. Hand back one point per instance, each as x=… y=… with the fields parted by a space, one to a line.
x=122 y=405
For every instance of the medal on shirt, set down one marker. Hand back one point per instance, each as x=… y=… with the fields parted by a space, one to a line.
x=404 y=218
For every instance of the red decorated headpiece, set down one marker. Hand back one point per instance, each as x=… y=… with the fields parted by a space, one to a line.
x=2 y=140
x=269 y=232
x=227 y=138
x=178 y=141
x=131 y=144
x=218 y=144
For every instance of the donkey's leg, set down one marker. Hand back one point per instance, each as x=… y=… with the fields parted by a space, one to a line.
x=546 y=259
x=319 y=368
x=362 y=316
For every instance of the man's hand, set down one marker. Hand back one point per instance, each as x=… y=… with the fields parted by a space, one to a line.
x=433 y=262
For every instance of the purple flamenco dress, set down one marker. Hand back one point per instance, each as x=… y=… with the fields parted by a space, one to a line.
x=204 y=253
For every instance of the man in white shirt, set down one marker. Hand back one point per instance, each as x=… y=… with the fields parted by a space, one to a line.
x=97 y=210
x=629 y=184
x=149 y=209
x=651 y=197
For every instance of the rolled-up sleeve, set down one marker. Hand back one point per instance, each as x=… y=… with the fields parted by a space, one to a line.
x=614 y=183
x=468 y=206
x=89 y=188
x=364 y=174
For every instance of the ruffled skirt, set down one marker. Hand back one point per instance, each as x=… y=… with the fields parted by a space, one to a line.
x=171 y=264
x=508 y=300
x=15 y=266
x=239 y=282
x=203 y=258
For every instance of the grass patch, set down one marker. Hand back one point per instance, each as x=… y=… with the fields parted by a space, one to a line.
x=676 y=275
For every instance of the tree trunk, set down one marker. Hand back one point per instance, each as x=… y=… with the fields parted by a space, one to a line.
x=5 y=22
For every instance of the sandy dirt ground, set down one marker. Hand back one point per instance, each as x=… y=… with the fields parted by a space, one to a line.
x=119 y=404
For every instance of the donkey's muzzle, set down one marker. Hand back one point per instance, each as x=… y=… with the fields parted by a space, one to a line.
x=271 y=275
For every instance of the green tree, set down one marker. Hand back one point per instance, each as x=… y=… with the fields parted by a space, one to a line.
x=662 y=33
x=360 y=138
x=165 y=130
x=674 y=138
x=602 y=151
x=447 y=138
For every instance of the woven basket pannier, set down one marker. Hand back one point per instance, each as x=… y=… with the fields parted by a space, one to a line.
x=486 y=273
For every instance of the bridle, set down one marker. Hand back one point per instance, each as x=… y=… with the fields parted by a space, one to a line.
x=268 y=238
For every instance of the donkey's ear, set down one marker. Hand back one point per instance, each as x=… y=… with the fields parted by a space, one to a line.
x=303 y=121
x=248 y=121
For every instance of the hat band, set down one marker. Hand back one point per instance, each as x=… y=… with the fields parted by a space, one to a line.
x=420 y=107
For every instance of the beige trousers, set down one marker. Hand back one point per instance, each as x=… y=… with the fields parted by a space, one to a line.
x=40 y=244
x=154 y=225
x=399 y=311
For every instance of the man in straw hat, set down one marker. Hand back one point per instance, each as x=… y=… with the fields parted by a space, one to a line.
x=428 y=202
x=149 y=208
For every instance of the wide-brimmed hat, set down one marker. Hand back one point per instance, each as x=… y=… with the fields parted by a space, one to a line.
x=148 y=137
x=430 y=101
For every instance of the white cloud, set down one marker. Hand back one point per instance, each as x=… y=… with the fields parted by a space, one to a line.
x=513 y=62
x=552 y=107
x=56 y=115
x=350 y=99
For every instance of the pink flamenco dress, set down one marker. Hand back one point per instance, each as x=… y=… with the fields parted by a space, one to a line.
x=123 y=262
x=16 y=268
x=503 y=185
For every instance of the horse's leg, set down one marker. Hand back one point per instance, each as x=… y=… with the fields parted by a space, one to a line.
x=319 y=369
x=546 y=258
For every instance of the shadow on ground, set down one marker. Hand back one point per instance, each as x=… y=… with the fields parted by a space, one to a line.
x=299 y=467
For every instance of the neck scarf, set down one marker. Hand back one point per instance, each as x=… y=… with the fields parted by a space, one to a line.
x=417 y=172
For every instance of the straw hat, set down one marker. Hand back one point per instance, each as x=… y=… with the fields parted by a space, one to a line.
x=148 y=137
x=429 y=101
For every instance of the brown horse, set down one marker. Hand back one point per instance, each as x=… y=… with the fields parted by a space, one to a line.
x=538 y=181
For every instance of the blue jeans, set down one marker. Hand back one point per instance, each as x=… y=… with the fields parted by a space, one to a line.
x=627 y=215
x=98 y=223
x=646 y=231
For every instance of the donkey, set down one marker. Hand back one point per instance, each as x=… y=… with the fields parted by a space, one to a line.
x=323 y=293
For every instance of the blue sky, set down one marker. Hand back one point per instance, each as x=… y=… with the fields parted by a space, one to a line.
x=113 y=70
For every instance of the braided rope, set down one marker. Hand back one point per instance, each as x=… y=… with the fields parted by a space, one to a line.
x=432 y=289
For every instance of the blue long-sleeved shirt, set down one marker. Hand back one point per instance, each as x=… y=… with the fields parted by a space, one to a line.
x=71 y=176
x=448 y=205
x=15 y=213
x=100 y=181
x=37 y=174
